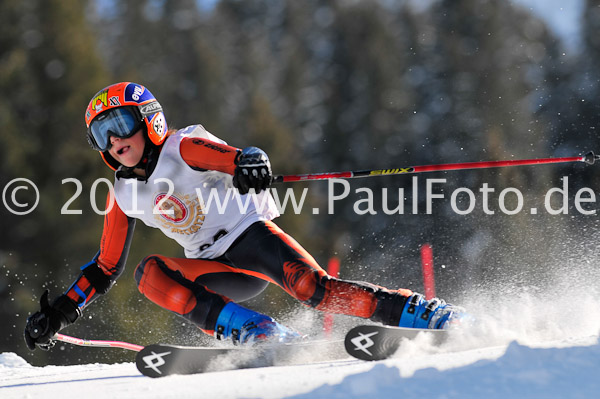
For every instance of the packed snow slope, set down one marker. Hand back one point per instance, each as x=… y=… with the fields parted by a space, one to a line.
x=527 y=340
x=566 y=369
x=531 y=347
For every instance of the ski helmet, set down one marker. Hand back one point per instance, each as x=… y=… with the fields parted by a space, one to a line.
x=120 y=110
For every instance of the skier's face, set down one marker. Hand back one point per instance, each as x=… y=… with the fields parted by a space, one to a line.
x=128 y=152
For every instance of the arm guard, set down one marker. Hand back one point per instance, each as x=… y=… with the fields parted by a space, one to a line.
x=98 y=276
x=203 y=154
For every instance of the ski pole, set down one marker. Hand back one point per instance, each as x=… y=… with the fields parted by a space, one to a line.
x=588 y=158
x=98 y=343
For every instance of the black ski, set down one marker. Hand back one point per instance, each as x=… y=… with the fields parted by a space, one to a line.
x=373 y=342
x=161 y=360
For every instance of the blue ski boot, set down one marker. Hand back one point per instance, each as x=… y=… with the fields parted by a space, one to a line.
x=247 y=327
x=434 y=313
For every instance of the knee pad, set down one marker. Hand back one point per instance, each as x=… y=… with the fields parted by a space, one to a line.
x=155 y=283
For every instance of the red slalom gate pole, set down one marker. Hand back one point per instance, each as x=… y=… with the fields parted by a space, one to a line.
x=588 y=158
x=428 y=274
x=333 y=269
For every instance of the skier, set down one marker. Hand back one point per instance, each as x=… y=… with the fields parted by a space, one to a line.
x=165 y=178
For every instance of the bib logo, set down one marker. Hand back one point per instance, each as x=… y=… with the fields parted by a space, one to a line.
x=170 y=208
x=180 y=214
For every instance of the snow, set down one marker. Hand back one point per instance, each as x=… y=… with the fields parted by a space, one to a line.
x=524 y=343
x=520 y=372
x=565 y=368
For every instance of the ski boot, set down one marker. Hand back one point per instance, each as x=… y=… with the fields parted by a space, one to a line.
x=247 y=327
x=433 y=314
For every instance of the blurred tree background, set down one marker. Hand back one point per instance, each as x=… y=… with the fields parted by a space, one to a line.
x=321 y=86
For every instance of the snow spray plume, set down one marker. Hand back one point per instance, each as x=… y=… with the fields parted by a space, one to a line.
x=539 y=305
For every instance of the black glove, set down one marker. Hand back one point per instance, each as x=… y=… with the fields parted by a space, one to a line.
x=253 y=170
x=41 y=326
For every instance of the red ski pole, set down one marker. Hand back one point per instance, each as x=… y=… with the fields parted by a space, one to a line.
x=588 y=158
x=97 y=343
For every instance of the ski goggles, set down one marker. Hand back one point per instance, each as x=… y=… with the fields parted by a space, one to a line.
x=122 y=122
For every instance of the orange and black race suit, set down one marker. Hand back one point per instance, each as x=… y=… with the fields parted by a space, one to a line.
x=198 y=289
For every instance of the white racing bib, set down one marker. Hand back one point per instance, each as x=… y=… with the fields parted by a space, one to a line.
x=202 y=211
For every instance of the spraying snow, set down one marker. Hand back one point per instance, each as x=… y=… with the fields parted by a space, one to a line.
x=529 y=340
x=533 y=350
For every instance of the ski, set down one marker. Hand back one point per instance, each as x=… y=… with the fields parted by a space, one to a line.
x=373 y=342
x=159 y=360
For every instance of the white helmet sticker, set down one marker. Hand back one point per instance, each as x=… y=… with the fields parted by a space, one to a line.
x=159 y=124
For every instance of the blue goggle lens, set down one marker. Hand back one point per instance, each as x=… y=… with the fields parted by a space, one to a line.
x=119 y=122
